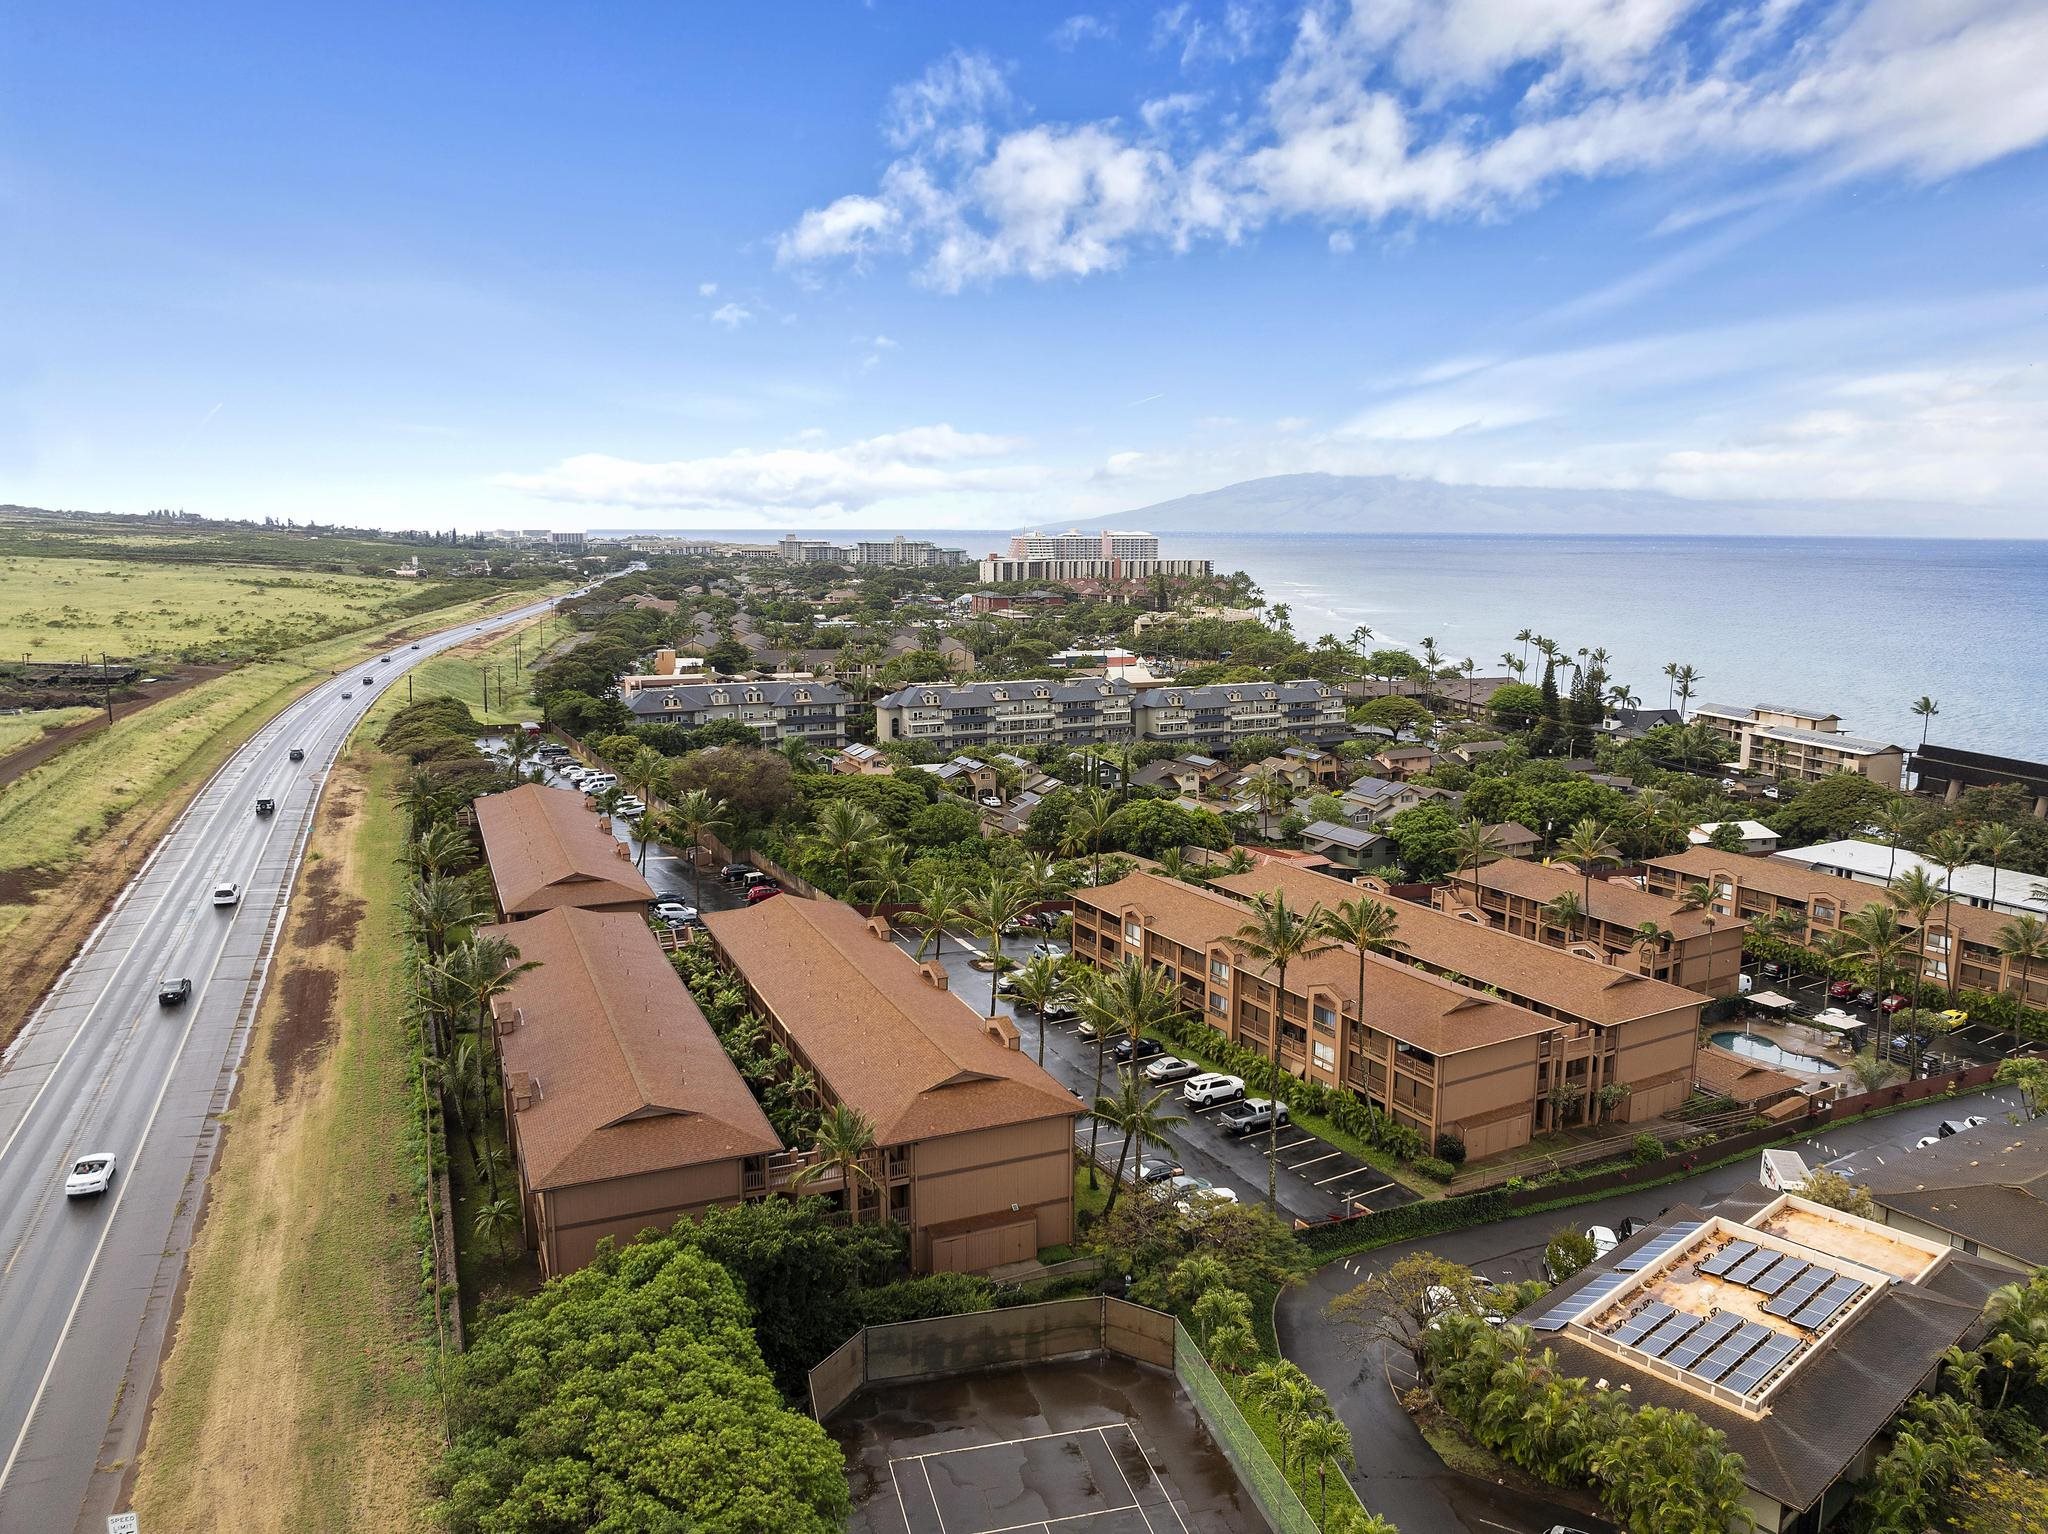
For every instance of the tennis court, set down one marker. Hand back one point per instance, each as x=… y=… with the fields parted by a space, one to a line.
x=1098 y=1446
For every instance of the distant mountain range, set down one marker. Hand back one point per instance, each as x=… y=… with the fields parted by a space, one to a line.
x=1386 y=503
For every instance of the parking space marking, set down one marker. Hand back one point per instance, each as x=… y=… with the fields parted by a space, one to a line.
x=1369 y=1192
x=1299 y=1166
x=1293 y=1144
x=1337 y=1177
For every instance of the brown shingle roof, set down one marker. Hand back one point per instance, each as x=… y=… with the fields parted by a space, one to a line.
x=1410 y=1004
x=1607 y=900
x=546 y=851
x=1985 y=1185
x=1786 y=880
x=1729 y=1074
x=631 y=1078
x=916 y=1060
x=1550 y=977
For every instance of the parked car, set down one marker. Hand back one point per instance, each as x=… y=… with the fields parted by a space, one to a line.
x=1211 y=1087
x=1603 y=1239
x=1957 y=1126
x=1775 y=970
x=296 y=753
x=1060 y=1012
x=732 y=873
x=90 y=1175
x=1156 y=1168
x=1865 y=999
x=227 y=894
x=1171 y=1068
x=629 y=804
x=171 y=993
x=761 y=892
x=1128 y=1050
x=1842 y=990
x=1185 y=1191
x=1252 y=1115
x=1892 y=1003
x=991 y=802
x=674 y=912
x=1926 y=1140
x=1955 y=1017
x=1086 y=1029
x=1049 y=950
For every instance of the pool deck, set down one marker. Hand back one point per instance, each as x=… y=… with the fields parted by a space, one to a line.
x=1815 y=1044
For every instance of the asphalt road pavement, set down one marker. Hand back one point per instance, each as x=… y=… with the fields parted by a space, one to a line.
x=87 y=1285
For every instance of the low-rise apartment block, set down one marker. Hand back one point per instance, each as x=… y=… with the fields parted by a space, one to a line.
x=1218 y=715
x=1614 y=925
x=1430 y=1047
x=974 y=1143
x=546 y=850
x=994 y=715
x=811 y=711
x=623 y=1110
x=1740 y=889
x=1801 y=744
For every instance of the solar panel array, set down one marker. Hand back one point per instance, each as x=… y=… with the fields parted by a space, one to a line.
x=1779 y=1274
x=1668 y=1333
x=1654 y=1251
x=1760 y=1363
x=1751 y=1267
x=1801 y=1291
x=1639 y=1325
x=1823 y=1306
x=1739 y=1345
x=1710 y=1333
x=1570 y=1308
x=1729 y=1255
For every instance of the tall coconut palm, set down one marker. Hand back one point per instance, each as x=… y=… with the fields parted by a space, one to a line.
x=1366 y=924
x=1916 y=893
x=1565 y=913
x=1951 y=849
x=1000 y=901
x=1472 y=844
x=439 y=848
x=1087 y=823
x=693 y=816
x=2024 y=941
x=1039 y=983
x=885 y=877
x=437 y=908
x=1926 y=708
x=1994 y=843
x=1124 y=1002
x=1651 y=940
x=845 y=1143
x=1875 y=941
x=1670 y=669
x=1892 y=820
x=1686 y=680
x=1271 y=792
x=941 y=901
x=1277 y=935
x=1323 y=1442
x=1135 y=1113
x=647 y=775
x=475 y=973
x=842 y=837
x=1585 y=847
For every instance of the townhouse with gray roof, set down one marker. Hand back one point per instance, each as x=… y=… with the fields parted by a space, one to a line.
x=811 y=711
x=1076 y=711
x=1219 y=714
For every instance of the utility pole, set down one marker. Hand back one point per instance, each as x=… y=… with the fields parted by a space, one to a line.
x=485 y=672
x=408 y=688
x=107 y=689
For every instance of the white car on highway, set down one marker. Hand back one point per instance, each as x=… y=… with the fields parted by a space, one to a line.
x=227 y=894
x=89 y=1175
x=1211 y=1087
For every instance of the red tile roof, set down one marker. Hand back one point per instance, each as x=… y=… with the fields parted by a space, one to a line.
x=546 y=850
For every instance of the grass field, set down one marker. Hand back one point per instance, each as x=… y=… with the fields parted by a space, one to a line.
x=298 y=1392
x=18 y=730
x=460 y=673
x=65 y=609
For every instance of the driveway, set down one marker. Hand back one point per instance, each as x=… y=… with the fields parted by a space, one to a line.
x=1316 y=1179
x=1398 y=1473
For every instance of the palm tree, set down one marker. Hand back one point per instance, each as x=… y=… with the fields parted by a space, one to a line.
x=1686 y=680
x=1892 y=820
x=842 y=837
x=692 y=817
x=1087 y=821
x=1671 y=682
x=1000 y=901
x=436 y=908
x=439 y=848
x=1588 y=845
x=1323 y=1442
x=1278 y=935
x=1874 y=939
x=1926 y=708
x=1127 y=1000
x=845 y=1144
x=2024 y=940
x=885 y=876
x=1038 y=984
x=797 y=752
x=1651 y=940
x=496 y=1220
x=1994 y=845
x=647 y=774
x=1563 y=912
x=1916 y=894
x=473 y=975
x=1950 y=848
x=1473 y=844
x=1136 y=1115
x=1522 y=638
x=941 y=901
x=1365 y=924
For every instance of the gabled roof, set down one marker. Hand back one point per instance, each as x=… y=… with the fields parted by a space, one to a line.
x=1988 y=1185
x=546 y=850
x=692 y=696
x=629 y=1076
x=1614 y=900
x=1339 y=836
x=918 y=1061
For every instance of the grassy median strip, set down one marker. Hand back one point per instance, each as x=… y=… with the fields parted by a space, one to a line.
x=298 y=1393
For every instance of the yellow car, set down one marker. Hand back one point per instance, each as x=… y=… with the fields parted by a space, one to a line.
x=1953 y=1017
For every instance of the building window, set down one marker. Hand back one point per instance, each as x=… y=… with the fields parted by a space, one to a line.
x=1326 y=1057
x=1218 y=970
x=1216 y=1004
x=1325 y=1018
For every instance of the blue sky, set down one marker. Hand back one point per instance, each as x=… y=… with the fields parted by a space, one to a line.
x=927 y=265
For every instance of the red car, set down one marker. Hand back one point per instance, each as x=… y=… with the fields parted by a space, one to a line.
x=1891 y=1004
x=761 y=892
x=1842 y=990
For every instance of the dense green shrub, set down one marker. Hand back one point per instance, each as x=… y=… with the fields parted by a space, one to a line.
x=1646 y=1148
x=1450 y=1146
x=1435 y=1168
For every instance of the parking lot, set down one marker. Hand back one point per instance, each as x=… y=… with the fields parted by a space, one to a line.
x=1316 y=1180
x=1970 y=1044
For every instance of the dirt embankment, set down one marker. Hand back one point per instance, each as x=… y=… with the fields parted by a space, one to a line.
x=132 y=701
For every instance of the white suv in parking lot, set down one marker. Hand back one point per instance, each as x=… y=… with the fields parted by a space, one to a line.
x=1211 y=1087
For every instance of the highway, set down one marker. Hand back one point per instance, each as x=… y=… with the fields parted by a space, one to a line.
x=87 y=1286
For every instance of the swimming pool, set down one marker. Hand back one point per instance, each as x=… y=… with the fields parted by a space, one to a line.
x=1754 y=1048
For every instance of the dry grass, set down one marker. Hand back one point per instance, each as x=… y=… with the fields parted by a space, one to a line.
x=459 y=673
x=298 y=1393
x=18 y=730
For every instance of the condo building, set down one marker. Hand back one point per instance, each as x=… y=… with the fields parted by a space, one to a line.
x=1222 y=713
x=1079 y=545
x=811 y=711
x=1804 y=745
x=999 y=715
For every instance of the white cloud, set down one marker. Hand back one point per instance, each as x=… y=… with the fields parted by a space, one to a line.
x=1391 y=111
x=1342 y=242
x=1224 y=37
x=1076 y=30
x=1162 y=111
x=918 y=463
x=706 y=289
x=731 y=315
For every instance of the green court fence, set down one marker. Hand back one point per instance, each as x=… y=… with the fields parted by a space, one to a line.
x=1242 y=1446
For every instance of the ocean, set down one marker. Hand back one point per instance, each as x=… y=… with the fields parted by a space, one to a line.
x=1860 y=627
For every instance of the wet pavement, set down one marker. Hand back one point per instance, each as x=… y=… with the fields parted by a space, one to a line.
x=1105 y=1446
